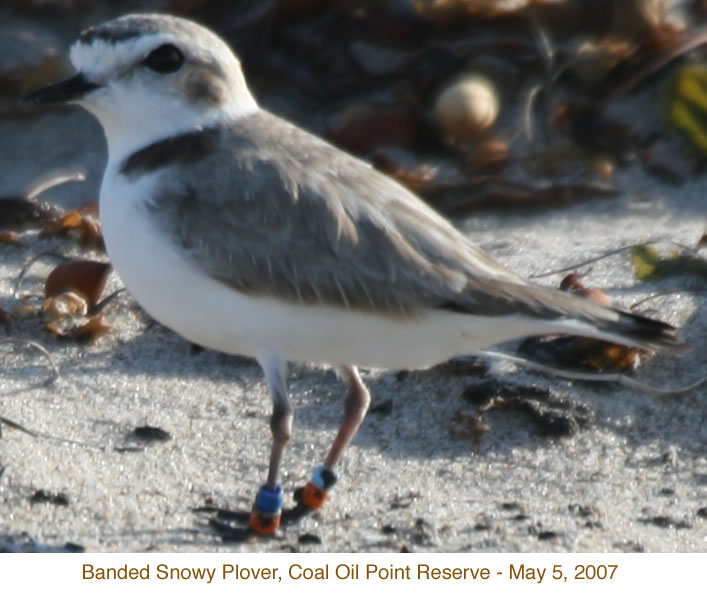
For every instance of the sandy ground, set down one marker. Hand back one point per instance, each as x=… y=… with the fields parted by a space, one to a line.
x=634 y=479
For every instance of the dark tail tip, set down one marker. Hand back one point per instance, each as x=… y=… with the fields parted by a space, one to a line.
x=651 y=332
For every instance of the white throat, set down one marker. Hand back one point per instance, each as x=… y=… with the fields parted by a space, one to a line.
x=129 y=125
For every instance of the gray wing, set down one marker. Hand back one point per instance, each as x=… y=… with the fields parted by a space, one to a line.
x=289 y=216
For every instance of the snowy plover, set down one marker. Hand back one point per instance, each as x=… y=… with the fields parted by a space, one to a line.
x=288 y=248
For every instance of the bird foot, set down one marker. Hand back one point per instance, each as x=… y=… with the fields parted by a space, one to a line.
x=266 y=514
x=315 y=493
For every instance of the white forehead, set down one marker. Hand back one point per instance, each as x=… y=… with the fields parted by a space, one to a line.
x=101 y=57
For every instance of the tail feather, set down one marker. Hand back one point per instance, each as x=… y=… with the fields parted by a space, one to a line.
x=553 y=310
x=573 y=314
x=643 y=332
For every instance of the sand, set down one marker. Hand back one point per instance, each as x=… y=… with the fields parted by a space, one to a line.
x=633 y=479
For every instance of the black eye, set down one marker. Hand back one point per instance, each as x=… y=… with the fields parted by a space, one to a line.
x=165 y=59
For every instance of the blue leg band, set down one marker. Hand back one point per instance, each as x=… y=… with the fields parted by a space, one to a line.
x=269 y=500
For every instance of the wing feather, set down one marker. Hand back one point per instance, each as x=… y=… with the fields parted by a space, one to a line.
x=291 y=217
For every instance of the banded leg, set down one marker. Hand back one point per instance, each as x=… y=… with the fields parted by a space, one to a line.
x=266 y=514
x=355 y=407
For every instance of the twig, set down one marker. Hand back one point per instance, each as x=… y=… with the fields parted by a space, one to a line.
x=527 y=108
x=542 y=41
x=546 y=49
x=39 y=347
x=656 y=295
x=697 y=38
x=98 y=307
x=52 y=180
x=613 y=252
x=49 y=437
x=594 y=377
x=16 y=426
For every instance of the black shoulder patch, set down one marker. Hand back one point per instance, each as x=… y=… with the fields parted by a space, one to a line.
x=181 y=149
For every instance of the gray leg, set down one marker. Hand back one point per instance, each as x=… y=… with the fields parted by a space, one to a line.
x=266 y=515
x=282 y=413
x=315 y=492
x=355 y=408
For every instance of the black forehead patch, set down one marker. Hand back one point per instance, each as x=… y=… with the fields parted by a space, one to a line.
x=137 y=25
x=104 y=34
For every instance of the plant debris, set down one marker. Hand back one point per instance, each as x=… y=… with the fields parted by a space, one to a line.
x=6 y=320
x=17 y=212
x=665 y=522
x=71 y=293
x=42 y=496
x=10 y=238
x=82 y=222
x=648 y=263
x=66 y=304
x=499 y=192
x=363 y=128
x=36 y=346
x=86 y=278
x=85 y=333
x=576 y=352
x=618 y=378
x=551 y=415
x=151 y=433
x=573 y=283
x=473 y=425
x=309 y=538
x=580 y=352
x=382 y=408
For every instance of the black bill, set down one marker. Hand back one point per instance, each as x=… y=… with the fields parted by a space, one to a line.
x=70 y=89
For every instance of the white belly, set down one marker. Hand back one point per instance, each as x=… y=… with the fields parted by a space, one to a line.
x=209 y=313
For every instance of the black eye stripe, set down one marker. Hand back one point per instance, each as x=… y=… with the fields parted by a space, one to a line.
x=165 y=59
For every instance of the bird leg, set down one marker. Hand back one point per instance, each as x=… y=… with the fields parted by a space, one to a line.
x=266 y=514
x=356 y=405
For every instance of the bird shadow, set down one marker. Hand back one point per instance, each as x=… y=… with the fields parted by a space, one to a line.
x=424 y=414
